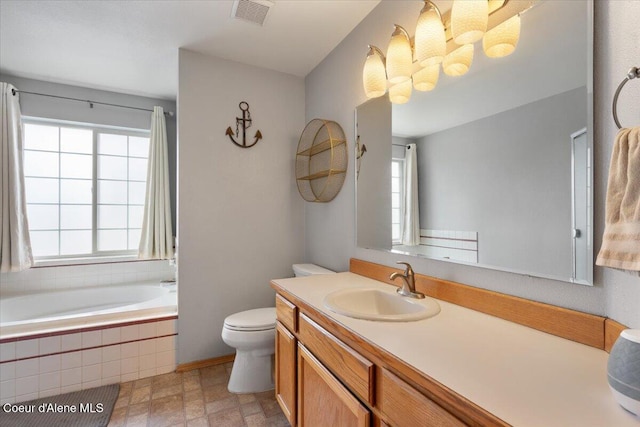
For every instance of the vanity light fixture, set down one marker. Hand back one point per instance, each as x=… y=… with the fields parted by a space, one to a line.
x=416 y=64
x=426 y=78
x=431 y=41
x=469 y=19
x=399 y=56
x=502 y=39
x=374 y=76
x=458 y=62
x=400 y=93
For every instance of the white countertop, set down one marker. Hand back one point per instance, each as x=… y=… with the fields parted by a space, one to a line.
x=519 y=374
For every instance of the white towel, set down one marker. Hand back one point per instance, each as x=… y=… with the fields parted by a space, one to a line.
x=621 y=240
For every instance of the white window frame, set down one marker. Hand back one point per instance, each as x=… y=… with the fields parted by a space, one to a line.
x=95 y=256
x=400 y=162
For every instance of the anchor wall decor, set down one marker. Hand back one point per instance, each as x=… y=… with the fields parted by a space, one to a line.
x=245 y=122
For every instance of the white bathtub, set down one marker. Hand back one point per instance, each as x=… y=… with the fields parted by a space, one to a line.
x=64 y=310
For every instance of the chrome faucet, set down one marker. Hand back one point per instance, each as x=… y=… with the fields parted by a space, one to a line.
x=408 y=288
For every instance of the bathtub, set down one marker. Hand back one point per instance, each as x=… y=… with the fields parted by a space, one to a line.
x=46 y=312
x=69 y=340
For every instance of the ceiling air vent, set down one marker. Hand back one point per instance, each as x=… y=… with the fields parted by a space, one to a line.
x=251 y=10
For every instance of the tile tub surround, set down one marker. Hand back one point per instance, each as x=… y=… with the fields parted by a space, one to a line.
x=197 y=397
x=61 y=362
x=40 y=279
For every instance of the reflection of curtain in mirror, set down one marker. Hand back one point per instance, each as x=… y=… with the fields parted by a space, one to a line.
x=411 y=223
x=156 y=241
x=15 y=244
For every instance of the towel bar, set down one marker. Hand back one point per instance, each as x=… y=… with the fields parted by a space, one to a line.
x=632 y=74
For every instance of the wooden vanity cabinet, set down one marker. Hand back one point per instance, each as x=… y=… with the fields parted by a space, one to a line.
x=344 y=362
x=309 y=393
x=403 y=405
x=287 y=314
x=322 y=399
x=322 y=381
x=285 y=376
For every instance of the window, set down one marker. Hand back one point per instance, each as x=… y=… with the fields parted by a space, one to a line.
x=85 y=188
x=397 y=173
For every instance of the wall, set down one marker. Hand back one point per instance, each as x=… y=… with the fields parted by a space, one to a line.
x=397 y=146
x=61 y=109
x=240 y=214
x=334 y=89
x=374 y=182
x=463 y=188
x=617 y=48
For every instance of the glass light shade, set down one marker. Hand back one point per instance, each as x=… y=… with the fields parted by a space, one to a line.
x=430 y=40
x=469 y=20
x=502 y=40
x=399 y=57
x=459 y=61
x=374 y=77
x=400 y=93
x=426 y=78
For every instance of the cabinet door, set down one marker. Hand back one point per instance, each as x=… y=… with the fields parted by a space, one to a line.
x=322 y=399
x=286 y=372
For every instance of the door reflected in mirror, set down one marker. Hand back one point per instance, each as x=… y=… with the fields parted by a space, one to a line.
x=493 y=168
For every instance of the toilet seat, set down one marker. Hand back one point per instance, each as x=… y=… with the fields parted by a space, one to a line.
x=259 y=319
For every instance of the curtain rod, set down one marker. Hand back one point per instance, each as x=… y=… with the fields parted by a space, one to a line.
x=14 y=91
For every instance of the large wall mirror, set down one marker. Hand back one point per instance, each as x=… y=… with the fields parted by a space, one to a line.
x=493 y=168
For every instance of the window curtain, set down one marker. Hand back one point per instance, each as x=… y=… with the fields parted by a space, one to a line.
x=411 y=209
x=15 y=249
x=156 y=240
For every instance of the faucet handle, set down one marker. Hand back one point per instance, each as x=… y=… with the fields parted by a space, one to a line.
x=408 y=270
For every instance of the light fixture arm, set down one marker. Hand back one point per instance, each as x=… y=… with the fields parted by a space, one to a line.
x=399 y=29
x=373 y=50
x=428 y=4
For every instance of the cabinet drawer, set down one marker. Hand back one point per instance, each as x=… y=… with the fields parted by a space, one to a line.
x=354 y=370
x=403 y=405
x=286 y=313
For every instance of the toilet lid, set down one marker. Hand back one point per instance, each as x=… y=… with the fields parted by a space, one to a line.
x=258 y=319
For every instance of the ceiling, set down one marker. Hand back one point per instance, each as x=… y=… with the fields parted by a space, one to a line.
x=132 y=46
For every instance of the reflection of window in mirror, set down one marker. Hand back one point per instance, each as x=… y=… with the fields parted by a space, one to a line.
x=397 y=179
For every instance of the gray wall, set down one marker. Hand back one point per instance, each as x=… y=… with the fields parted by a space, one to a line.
x=617 y=50
x=239 y=212
x=61 y=109
x=508 y=177
x=374 y=183
x=398 y=152
x=334 y=89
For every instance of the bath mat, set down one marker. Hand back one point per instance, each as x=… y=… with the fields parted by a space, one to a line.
x=85 y=408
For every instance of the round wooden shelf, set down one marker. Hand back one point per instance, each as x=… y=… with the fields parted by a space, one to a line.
x=321 y=161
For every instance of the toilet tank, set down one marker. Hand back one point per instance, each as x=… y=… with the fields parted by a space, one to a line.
x=301 y=270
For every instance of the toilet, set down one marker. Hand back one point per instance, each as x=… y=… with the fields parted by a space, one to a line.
x=252 y=333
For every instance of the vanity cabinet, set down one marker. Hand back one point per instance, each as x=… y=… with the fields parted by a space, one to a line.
x=403 y=405
x=353 y=369
x=322 y=381
x=285 y=378
x=449 y=371
x=322 y=399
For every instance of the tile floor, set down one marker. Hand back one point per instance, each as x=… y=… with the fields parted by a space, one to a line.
x=193 y=398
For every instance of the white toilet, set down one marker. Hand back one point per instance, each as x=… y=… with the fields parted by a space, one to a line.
x=252 y=333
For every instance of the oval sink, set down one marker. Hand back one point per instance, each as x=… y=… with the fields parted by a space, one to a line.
x=374 y=304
